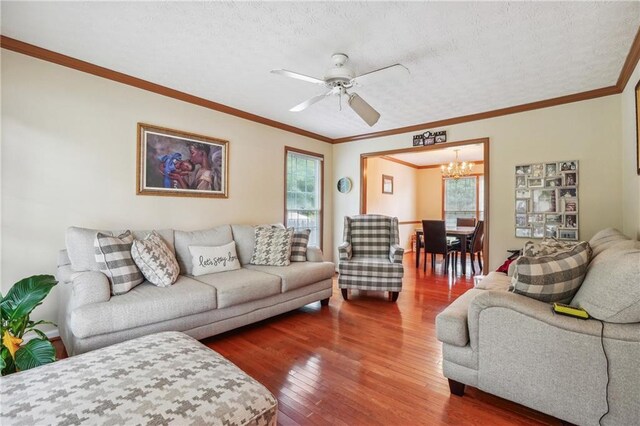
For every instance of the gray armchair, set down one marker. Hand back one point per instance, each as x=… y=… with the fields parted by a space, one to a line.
x=370 y=257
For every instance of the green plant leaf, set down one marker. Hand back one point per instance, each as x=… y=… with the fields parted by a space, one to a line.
x=25 y=295
x=8 y=365
x=35 y=353
x=38 y=332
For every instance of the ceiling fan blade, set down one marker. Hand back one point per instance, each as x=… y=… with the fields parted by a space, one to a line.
x=306 y=104
x=298 y=76
x=395 y=71
x=363 y=109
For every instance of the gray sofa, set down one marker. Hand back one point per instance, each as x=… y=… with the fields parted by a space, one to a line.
x=203 y=306
x=515 y=347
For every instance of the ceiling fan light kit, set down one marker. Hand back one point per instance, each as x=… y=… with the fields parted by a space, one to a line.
x=339 y=78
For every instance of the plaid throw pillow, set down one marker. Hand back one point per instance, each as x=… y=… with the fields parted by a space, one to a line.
x=299 y=245
x=552 y=278
x=113 y=255
x=273 y=246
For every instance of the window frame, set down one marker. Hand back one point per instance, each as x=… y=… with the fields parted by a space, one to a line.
x=320 y=157
x=477 y=179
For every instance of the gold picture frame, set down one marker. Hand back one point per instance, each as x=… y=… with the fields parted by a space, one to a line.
x=181 y=164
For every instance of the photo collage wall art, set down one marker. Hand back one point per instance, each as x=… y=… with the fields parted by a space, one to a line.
x=547 y=200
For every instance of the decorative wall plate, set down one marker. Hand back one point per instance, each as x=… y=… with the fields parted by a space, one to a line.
x=344 y=185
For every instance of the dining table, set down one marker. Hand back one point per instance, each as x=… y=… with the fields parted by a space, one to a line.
x=463 y=233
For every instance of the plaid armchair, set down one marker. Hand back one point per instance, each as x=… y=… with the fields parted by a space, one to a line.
x=370 y=257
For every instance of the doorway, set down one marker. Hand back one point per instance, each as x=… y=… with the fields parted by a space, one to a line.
x=418 y=172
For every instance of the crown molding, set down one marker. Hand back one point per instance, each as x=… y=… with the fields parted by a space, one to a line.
x=57 y=58
x=89 y=68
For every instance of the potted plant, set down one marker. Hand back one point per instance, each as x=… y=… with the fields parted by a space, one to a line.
x=15 y=308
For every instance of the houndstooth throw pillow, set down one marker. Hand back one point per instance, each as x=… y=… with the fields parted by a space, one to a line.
x=113 y=255
x=155 y=260
x=553 y=278
x=299 y=244
x=273 y=246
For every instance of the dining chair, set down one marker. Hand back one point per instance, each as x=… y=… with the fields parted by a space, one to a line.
x=435 y=242
x=474 y=247
x=466 y=221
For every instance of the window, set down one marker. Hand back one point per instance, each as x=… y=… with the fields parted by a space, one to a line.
x=304 y=195
x=463 y=197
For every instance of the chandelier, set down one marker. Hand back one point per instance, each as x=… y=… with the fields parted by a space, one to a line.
x=456 y=169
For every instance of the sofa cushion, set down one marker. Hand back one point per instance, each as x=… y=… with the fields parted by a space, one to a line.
x=371 y=267
x=245 y=238
x=155 y=259
x=611 y=290
x=494 y=281
x=605 y=239
x=212 y=260
x=80 y=248
x=113 y=255
x=554 y=278
x=273 y=246
x=241 y=286
x=218 y=236
x=145 y=304
x=298 y=274
x=299 y=244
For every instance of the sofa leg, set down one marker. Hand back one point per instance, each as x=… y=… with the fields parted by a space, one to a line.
x=345 y=294
x=456 y=388
x=325 y=302
x=393 y=295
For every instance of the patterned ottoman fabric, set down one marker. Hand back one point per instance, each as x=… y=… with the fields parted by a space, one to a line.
x=161 y=379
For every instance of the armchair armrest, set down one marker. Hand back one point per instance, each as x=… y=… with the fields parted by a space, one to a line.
x=344 y=251
x=395 y=253
x=89 y=287
x=314 y=254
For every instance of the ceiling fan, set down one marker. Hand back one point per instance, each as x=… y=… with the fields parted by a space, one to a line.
x=340 y=78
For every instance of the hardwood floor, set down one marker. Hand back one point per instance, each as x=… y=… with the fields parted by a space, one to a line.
x=366 y=361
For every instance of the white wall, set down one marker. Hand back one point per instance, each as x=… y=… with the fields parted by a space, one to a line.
x=69 y=158
x=400 y=204
x=588 y=131
x=630 y=178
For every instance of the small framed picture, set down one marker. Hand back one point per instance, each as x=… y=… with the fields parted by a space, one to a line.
x=441 y=136
x=535 y=182
x=569 y=205
x=418 y=140
x=553 y=182
x=544 y=201
x=521 y=220
x=538 y=231
x=550 y=169
x=537 y=170
x=551 y=231
x=521 y=182
x=571 y=179
x=554 y=218
x=568 y=234
x=387 y=184
x=522 y=206
x=523 y=193
x=536 y=218
x=571 y=221
x=523 y=170
x=523 y=232
x=568 y=192
x=568 y=166
x=429 y=138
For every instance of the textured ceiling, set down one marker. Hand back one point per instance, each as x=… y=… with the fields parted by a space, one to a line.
x=442 y=156
x=464 y=57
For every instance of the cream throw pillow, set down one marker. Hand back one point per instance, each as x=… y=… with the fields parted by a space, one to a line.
x=211 y=260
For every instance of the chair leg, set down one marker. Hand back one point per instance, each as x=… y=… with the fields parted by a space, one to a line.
x=480 y=260
x=393 y=295
x=345 y=294
x=473 y=268
x=426 y=259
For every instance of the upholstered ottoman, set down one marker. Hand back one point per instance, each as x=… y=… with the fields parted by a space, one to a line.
x=165 y=378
